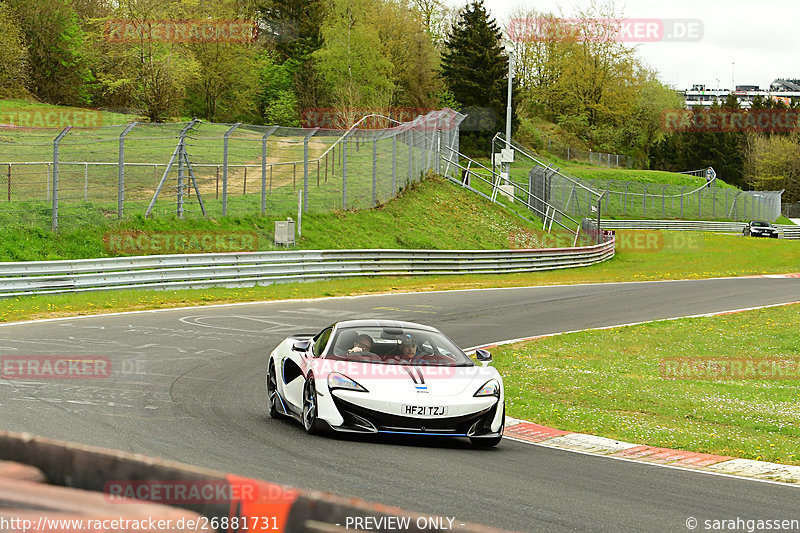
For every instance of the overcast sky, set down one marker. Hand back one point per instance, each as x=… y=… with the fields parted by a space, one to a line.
x=760 y=38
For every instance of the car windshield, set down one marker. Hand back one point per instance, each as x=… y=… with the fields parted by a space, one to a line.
x=385 y=345
x=760 y=224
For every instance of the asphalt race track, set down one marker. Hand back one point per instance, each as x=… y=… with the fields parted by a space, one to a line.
x=188 y=385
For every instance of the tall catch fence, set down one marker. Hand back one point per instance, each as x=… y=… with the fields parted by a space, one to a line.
x=700 y=198
x=78 y=176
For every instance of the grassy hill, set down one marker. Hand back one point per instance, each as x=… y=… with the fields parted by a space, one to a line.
x=432 y=214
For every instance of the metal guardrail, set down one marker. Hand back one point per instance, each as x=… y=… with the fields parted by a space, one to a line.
x=786 y=230
x=199 y=271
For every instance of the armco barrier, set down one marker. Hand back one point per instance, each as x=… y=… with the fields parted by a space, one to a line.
x=199 y=271
x=89 y=468
x=786 y=230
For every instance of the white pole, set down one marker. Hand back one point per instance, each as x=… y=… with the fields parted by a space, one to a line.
x=299 y=213
x=508 y=107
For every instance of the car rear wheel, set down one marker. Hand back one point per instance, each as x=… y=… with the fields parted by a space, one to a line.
x=272 y=392
x=310 y=407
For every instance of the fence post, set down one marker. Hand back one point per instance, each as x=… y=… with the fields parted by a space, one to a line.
x=664 y=202
x=567 y=153
x=305 y=168
x=264 y=168
x=437 y=166
x=121 y=170
x=682 y=197
x=394 y=164
x=225 y=168
x=374 y=171
x=180 y=180
x=56 y=142
x=625 y=209
x=700 y=203
x=714 y=204
x=410 y=155
x=9 y=182
x=644 y=201
x=726 y=199
x=343 y=154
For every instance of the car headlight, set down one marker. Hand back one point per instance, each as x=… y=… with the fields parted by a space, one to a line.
x=490 y=388
x=340 y=381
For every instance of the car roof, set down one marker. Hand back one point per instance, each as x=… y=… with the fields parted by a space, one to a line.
x=382 y=323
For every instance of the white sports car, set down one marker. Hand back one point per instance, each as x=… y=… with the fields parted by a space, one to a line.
x=379 y=376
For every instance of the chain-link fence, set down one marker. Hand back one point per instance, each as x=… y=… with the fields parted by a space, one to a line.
x=602 y=159
x=79 y=176
x=701 y=199
x=700 y=202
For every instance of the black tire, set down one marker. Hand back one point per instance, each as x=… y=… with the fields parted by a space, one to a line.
x=272 y=393
x=310 y=407
x=489 y=442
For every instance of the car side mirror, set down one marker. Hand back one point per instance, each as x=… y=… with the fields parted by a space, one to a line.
x=301 y=346
x=483 y=356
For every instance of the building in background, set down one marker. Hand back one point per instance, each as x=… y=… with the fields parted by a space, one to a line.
x=785 y=91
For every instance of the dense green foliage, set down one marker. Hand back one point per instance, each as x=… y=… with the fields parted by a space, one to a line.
x=475 y=69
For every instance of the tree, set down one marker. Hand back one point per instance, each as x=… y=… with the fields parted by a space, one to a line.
x=294 y=27
x=773 y=163
x=352 y=60
x=278 y=103
x=58 y=70
x=409 y=48
x=13 y=56
x=226 y=86
x=475 y=69
x=294 y=31
x=150 y=75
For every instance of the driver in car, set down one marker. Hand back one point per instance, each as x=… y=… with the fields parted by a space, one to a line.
x=363 y=343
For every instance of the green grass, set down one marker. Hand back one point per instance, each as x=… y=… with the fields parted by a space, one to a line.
x=710 y=256
x=432 y=214
x=609 y=383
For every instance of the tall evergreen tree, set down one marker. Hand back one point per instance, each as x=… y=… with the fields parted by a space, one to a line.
x=475 y=70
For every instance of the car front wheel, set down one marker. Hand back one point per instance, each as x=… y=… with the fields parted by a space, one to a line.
x=310 y=407
x=272 y=392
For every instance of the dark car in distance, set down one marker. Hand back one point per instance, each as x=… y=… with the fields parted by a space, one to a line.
x=760 y=228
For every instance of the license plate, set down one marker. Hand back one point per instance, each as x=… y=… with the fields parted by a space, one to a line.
x=424 y=410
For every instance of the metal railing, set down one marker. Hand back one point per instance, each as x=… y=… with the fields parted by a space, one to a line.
x=551 y=194
x=785 y=230
x=198 y=271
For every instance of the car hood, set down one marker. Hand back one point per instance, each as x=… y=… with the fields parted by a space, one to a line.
x=394 y=380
